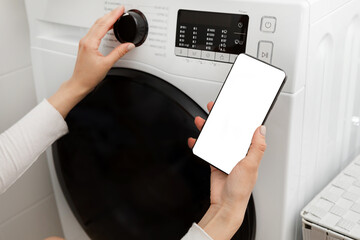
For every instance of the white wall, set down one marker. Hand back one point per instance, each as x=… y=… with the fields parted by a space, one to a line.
x=27 y=209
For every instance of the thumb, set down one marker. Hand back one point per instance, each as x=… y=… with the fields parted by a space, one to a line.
x=119 y=52
x=258 y=145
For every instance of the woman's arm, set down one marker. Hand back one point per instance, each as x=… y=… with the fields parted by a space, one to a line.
x=91 y=66
x=22 y=144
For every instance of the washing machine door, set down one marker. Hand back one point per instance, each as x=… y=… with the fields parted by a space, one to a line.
x=125 y=167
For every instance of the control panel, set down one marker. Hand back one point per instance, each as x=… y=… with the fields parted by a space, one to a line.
x=211 y=36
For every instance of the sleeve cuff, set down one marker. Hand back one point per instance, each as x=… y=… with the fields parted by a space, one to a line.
x=196 y=233
x=54 y=116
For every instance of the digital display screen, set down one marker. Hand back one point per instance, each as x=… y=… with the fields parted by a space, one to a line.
x=209 y=31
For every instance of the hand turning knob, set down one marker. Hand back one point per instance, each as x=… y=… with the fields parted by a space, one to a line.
x=132 y=26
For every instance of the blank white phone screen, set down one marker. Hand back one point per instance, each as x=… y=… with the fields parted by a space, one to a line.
x=241 y=106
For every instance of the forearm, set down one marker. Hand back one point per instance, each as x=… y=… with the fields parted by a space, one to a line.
x=23 y=143
x=68 y=95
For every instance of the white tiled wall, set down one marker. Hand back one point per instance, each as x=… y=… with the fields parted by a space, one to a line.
x=27 y=209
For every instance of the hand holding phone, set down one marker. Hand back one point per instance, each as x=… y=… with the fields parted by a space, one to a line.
x=242 y=105
x=230 y=194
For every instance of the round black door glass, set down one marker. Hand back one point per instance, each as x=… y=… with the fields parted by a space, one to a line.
x=125 y=167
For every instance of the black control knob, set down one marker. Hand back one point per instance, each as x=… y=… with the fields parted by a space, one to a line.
x=132 y=26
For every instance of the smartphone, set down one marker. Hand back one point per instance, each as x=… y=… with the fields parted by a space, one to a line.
x=243 y=104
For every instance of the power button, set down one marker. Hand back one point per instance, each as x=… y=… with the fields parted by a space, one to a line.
x=268 y=24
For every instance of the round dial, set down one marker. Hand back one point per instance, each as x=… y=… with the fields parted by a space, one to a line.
x=132 y=26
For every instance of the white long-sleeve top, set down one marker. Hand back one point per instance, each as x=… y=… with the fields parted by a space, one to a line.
x=25 y=141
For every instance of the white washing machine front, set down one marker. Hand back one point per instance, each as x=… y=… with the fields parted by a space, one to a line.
x=189 y=50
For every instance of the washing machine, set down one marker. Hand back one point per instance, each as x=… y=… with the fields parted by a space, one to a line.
x=124 y=171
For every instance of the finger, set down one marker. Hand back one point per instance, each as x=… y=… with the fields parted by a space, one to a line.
x=104 y=24
x=210 y=105
x=199 y=122
x=258 y=145
x=119 y=52
x=191 y=142
x=213 y=169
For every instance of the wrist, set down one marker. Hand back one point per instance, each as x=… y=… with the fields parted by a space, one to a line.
x=76 y=89
x=68 y=95
x=210 y=214
x=221 y=223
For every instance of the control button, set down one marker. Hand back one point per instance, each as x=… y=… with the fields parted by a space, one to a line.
x=207 y=55
x=222 y=57
x=240 y=25
x=268 y=24
x=193 y=53
x=181 y=52
x=265 y=50
x=240 y=40
x=233 y=58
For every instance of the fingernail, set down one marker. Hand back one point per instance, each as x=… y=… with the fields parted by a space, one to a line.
x=263 y=130
x=130 y=47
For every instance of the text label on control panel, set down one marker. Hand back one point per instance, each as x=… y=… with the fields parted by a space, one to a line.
x=211 y=36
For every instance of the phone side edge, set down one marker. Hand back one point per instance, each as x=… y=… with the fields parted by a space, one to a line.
x=276 y=97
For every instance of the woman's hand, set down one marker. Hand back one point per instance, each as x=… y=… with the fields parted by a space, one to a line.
x=91 y=66
x=229 y=194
